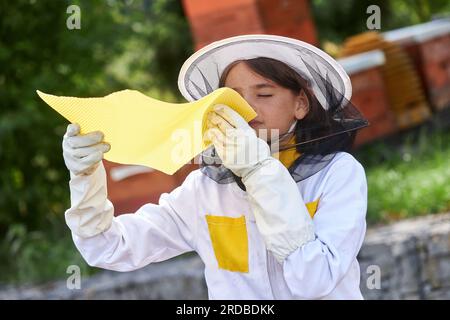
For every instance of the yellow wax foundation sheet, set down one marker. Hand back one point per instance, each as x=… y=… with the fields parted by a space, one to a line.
x=147 y=131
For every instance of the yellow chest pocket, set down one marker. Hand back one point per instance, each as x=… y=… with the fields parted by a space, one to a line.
x=230 y=242
x=230 y=239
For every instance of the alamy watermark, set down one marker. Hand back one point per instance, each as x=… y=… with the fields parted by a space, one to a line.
x=74 y=280
x=374 y=20
x=73 y=21
x=374 y=279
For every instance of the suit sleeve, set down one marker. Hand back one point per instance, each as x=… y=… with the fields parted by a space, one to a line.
x=155 y=232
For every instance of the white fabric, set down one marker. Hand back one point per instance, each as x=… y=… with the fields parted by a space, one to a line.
x=90 y=212
x=208 y=63
x=82 y=156
x=279 y=209
x=325 y=268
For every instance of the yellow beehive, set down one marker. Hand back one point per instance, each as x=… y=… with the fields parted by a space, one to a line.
x=405 y=92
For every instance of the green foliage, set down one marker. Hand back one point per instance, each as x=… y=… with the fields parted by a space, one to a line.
x=121 y=44
x=37 y=256
x=408 y=177
x=337 y=20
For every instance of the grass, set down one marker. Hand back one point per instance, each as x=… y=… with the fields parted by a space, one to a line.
x=38 y=256
x=407 y=177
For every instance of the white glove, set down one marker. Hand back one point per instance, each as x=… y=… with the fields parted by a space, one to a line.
x=235 y=141
x=91 y=212
x=279 y=209
x=83 y=153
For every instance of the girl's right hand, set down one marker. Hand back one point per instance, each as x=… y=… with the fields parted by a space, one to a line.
x=83 y=153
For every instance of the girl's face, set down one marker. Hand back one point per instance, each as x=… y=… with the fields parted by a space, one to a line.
x=277 y=107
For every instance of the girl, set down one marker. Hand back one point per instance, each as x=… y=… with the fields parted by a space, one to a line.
x=282 y=216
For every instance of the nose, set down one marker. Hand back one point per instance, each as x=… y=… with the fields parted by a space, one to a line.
x=250 y=102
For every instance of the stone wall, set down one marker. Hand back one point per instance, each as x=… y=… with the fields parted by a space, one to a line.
x=413 y=257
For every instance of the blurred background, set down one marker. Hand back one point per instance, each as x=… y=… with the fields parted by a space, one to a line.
x=396 y=53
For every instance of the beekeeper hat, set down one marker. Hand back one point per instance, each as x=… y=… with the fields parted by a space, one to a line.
x=330 y=84
x=200 y=74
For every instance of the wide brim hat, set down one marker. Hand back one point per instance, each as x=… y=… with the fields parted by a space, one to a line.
x=326 y=78
x=200 y=74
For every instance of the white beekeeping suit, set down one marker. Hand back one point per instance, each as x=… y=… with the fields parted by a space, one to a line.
x=286 y=230
x=200 y=210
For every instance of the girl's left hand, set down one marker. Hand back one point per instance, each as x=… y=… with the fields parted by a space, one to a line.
x=235 y=141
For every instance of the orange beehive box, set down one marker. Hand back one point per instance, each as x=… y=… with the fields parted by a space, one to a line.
x=215 y=20
x=406 y=95
x=369 y=94
x=428 y=45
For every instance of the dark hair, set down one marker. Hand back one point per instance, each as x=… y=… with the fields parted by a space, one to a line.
x=317 y=123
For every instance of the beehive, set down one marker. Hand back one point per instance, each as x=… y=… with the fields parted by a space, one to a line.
x=214 y=20
x=369 y=94
x=405 y=93
x=428 y=45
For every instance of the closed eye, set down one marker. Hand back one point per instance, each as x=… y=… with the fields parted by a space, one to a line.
x=265 y=95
